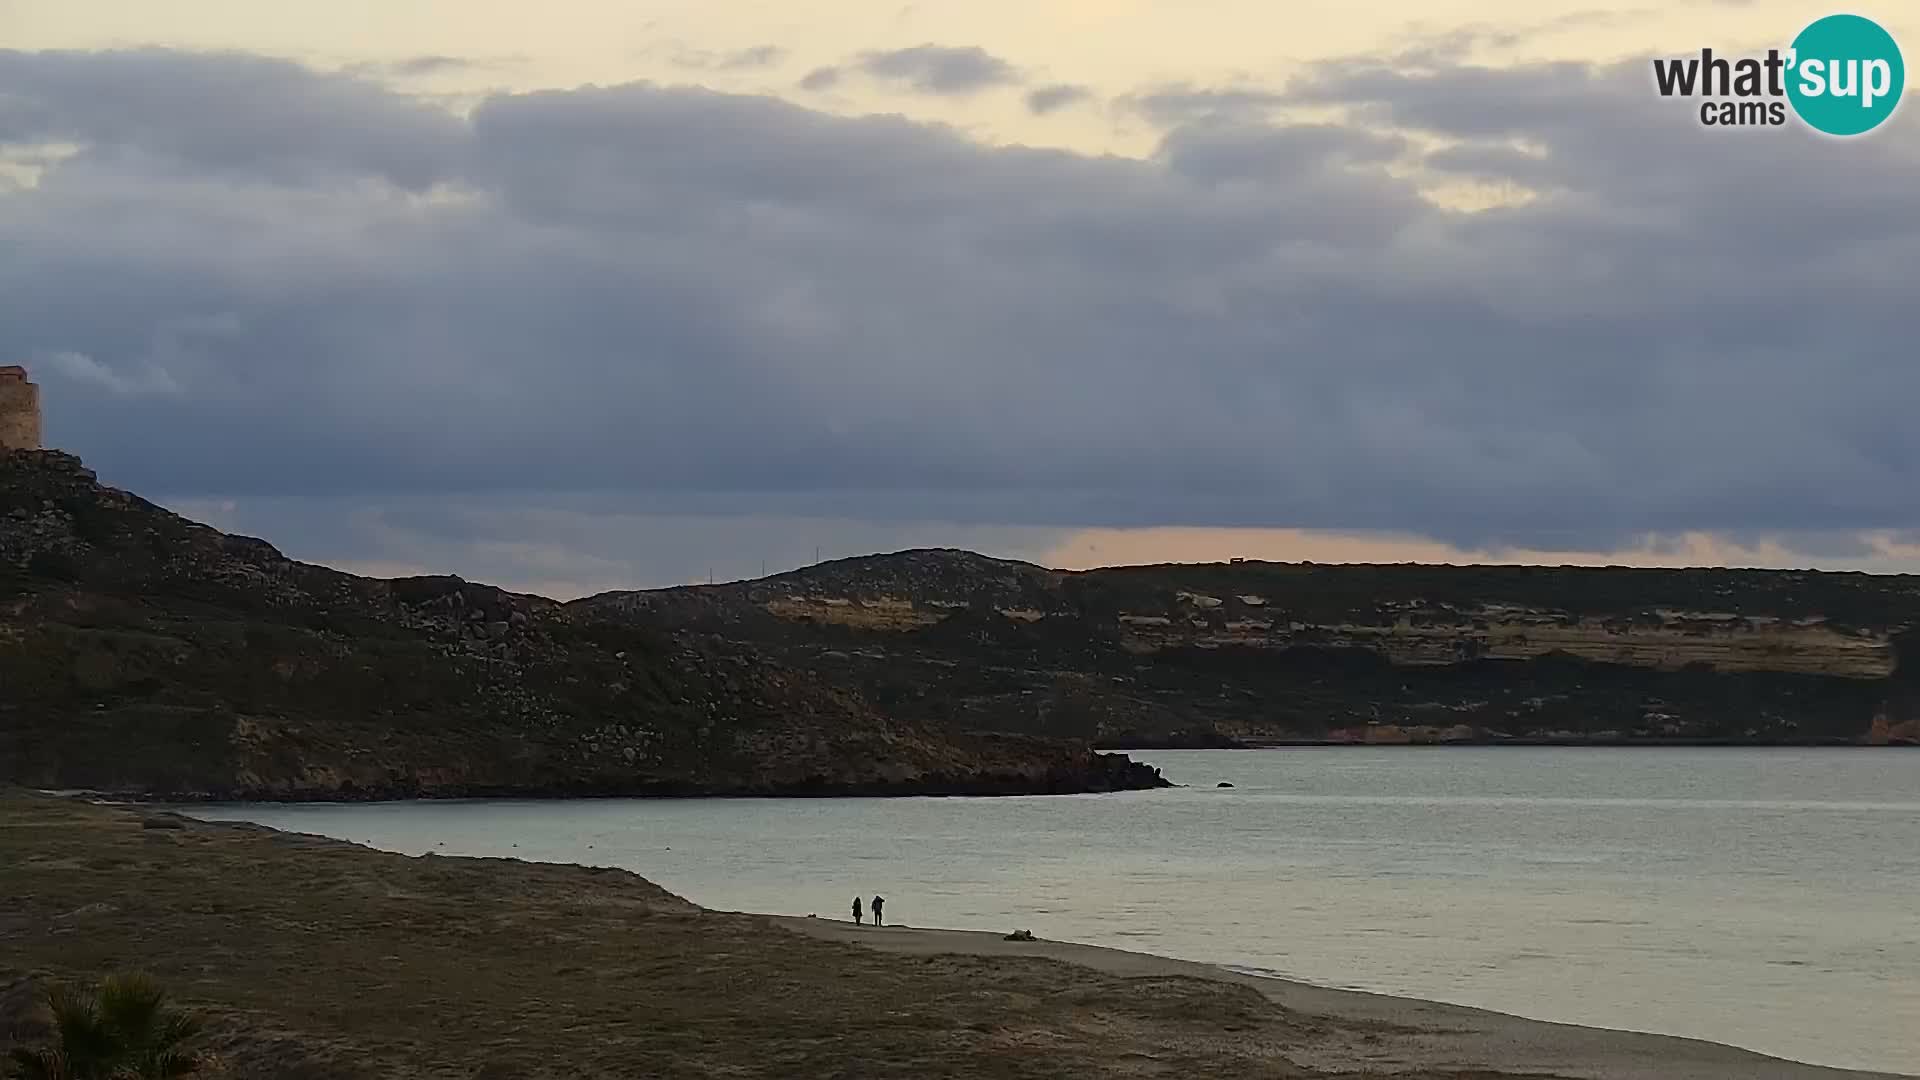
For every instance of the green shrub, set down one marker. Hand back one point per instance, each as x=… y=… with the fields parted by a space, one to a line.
x=121 y=1030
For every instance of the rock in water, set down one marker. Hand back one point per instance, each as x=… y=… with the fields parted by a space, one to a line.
x=1223 y=783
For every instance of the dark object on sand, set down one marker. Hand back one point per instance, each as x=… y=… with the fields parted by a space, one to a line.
x=1223 y=783
x=1019 y=935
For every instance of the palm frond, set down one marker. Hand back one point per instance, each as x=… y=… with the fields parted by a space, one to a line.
x=176 y=1028
x=123 y=1030
x=38 y=1064
x=131 y=1006
x=168 y=1064
x=164 y=1055
x=85 y=1046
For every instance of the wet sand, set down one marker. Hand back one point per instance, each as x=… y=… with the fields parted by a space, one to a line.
x=1381 y=1033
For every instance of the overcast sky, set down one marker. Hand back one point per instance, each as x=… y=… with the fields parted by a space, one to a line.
x=582 y=295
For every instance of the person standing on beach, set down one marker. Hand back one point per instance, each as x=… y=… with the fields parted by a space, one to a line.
x=878 y=902
x=856 y=912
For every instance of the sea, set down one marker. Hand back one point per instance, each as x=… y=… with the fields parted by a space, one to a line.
x=1766 y=898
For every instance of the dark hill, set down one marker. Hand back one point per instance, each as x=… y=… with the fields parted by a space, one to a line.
x=1225 y=653
x=142 y=653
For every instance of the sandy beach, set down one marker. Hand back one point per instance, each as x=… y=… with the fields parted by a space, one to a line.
x=317 y=959
x=1382 y=1033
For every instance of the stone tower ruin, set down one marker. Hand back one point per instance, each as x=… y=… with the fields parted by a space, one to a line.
x=19 y=410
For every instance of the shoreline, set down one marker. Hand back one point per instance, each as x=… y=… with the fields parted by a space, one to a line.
x=597 y=941
x=1471 y=1036
x=991 y=787
x=1402 y=1033
x=1129 y=747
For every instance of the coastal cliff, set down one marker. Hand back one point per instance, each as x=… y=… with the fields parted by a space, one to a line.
x=143 y=654
x=1252 y=653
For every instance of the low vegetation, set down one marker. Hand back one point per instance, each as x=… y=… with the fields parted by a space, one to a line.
x=121 y=1029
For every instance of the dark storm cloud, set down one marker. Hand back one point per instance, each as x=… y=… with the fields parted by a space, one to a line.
x=253 y=278
x=1050 y=99
x=941 y=69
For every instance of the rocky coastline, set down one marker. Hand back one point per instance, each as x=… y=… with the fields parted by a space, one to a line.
x=146 y=656
x=1251 y=653
x=1104 y=772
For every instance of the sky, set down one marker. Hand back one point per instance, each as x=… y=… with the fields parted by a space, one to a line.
x=588 y=294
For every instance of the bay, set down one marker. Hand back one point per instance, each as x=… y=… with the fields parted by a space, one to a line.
x=1766 y=898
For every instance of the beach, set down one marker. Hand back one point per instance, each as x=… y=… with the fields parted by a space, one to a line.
x=1378 y=1032
x=317 y=958
x=1752 y=898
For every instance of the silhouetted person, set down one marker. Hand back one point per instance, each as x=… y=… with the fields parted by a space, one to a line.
x=856 y=912
x=878 y=903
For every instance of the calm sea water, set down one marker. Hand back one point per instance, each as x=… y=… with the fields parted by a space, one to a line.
x=1764 y=898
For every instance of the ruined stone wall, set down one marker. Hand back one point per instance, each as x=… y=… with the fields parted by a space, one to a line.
x=19 y=410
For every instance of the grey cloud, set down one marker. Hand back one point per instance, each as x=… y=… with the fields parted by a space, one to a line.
x=1452 y=46
x=1258 y=151
x=820 y=78
x=1493 y=162
x=1175 y=105
x=721 y=302
x=758 y=56
x=1052 y=98
x=1483 y=101
x=244 y=117
x=1456 y=44
x=81 y=368
x=1431 y=46
x=941 y=69
x=415 y=66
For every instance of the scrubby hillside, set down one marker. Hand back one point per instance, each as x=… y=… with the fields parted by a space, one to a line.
x=1217 y=653
x=144 y=653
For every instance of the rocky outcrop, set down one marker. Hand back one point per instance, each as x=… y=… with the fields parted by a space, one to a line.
x=144 y=654
x=1249 y=652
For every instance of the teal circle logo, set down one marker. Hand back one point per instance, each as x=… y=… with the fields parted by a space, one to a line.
x=1847 y=75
